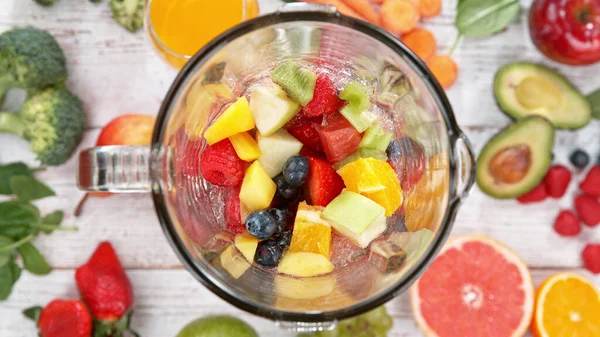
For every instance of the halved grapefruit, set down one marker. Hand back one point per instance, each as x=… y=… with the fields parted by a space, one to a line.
x=476 y=287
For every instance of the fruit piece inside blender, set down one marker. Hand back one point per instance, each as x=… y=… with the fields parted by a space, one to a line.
x=312 y=181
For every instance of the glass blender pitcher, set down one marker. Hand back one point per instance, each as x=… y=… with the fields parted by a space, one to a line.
x=191 y=210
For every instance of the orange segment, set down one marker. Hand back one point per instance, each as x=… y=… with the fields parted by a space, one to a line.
x=311 y=233
x=376 y=180
x=566 y=305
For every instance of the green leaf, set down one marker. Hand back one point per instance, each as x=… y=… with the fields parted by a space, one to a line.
x=4 y=258
x=55 y=219
x=28 y=188
x=15 y=270
x=33 y=261
x=15 y=213
x=10 y=170
x=594 y=99
x=481 y=18
x=6 y=281
x=33 y=313
x=14 y=232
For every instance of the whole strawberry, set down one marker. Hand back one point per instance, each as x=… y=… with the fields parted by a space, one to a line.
x=62 y=318
x=104 y=286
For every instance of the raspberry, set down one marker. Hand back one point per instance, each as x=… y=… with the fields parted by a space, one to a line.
x=325 y=99
x=233 y=218
x=557 y=180
x=591 y=184
x=591 y=258
x=537 y=194
x=567 y=224
x=588 y=209
x=308 y=135
x=221 y=166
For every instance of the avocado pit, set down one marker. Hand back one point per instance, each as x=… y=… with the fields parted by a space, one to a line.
x=511 y=164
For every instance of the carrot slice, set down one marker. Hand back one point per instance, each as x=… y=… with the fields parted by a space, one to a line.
x=420 y=41
x=340 y=6
x=430 y=8
x=364 y=8
x=444 y=69
x=377 y=2
x=399 y=16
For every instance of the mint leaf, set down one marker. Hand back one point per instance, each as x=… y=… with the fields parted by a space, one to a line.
x=28 y=188
x=10 y=170
x=33 y=313
x=33 y=261
x=15 y=213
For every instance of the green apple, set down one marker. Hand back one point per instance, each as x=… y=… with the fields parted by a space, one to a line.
x=271 y=108
x=217 y=326
x=276 y=149
x=357 y=217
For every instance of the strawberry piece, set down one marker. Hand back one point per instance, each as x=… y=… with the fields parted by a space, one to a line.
x=308 y=152
x=324 y=184
x=233 y=217
x=567 y=224
x=221 y=166
x=105 y=288
x=591 y=184
x=588 y=209
x=557 y=181
x=339 y=138
x=591 y=257
x=308 y=135
x=325 y=99
x=301 y=118
x=65 y=318
x=537 y=194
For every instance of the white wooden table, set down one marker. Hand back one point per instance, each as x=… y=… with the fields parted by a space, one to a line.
x=116 y=72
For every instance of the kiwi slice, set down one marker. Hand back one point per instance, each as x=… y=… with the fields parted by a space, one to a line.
x=358 y=102
x=297 y=81
x=375 y=323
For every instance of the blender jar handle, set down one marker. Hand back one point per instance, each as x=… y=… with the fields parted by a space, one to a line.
x=306 y=7
x=465 y=168
x=116 y=169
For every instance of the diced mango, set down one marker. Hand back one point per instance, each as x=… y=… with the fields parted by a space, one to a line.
x=304 y=264
x=258 y=189
x=235 y=119
x=311 y=233
x=234 y=262
x=201 y=100
x=247 y=245
x=245 y=146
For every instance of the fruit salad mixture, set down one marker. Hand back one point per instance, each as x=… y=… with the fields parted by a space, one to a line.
x=310 y=174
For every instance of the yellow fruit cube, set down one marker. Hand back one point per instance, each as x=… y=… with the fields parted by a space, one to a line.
x=235 y=264
x=304 y=264
x=199 y=104
x=258 y=189
x=245 y=146
x=235 y=119
x=247 y=245
x=305 y=288
x=311 y=233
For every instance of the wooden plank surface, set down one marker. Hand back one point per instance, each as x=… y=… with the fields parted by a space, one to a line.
x=116 y=72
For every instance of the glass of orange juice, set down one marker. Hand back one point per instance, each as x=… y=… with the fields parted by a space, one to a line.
x=179 y=28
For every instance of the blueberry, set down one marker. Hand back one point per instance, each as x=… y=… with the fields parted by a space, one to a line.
x=268 y=253
x=579 y=159
x=261 y=224
x=284 y=191
x=282 y=218
x=295 y=171
x=283 y=239
x=393 y=150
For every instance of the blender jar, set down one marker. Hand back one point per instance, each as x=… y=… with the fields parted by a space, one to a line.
x=191 y=210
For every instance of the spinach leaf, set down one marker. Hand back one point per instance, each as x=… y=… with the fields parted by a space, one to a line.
x=594 y=99
x=5 y=257
x=6 y=281
x=14 y=232
x=15 y=270
x=480 y=18
x=10 y=170
x=28 y=188
x=33 y=261
x=33 y=313
x=15 y=213
x=55 y=219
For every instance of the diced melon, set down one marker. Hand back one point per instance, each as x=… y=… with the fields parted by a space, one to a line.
x=235 y=119
x=247 y=245
x=258 y=189
x=272 y=108
x=245 y=146
x=276 y=150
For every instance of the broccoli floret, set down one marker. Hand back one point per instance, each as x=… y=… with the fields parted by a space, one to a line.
x=128 y=13
x=30 y=58
x=46 y=2
x=52 y=120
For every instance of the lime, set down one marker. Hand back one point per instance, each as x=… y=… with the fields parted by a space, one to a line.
x=217 y=326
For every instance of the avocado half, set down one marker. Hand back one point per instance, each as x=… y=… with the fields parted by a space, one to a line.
x=516 y=159
x=524 y=89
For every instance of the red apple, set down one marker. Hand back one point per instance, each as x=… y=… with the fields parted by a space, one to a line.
x=567 y=31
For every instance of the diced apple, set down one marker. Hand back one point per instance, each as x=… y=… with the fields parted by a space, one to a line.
x=357 y=217
x=304 y=264
x=245 y=146
x=272 y=108
x=235 y=264
x=247 y=245
x=235 y=119
x=305 y=288
x=257 y=189
x=276 y=150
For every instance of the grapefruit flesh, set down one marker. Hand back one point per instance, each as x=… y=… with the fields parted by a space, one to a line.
x=475 y=287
